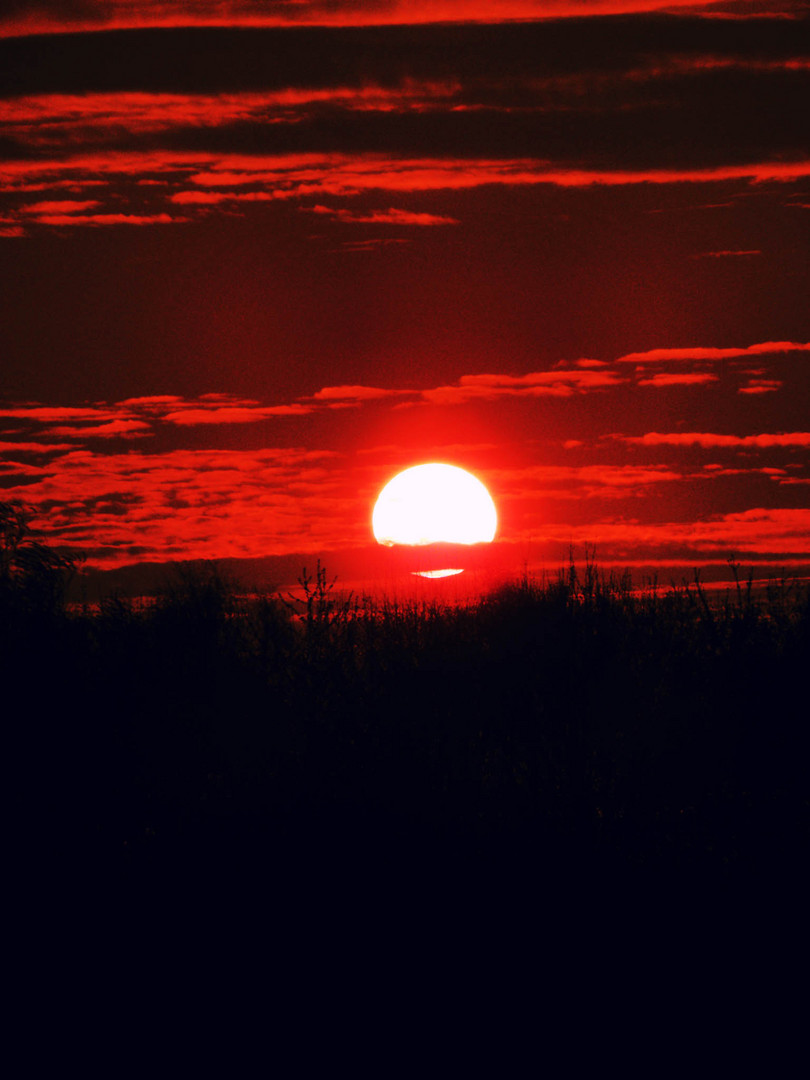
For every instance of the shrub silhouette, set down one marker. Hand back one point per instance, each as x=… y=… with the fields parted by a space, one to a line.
x=570 y=723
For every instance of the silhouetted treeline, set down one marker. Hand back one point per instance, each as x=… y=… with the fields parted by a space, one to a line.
x=570 y=724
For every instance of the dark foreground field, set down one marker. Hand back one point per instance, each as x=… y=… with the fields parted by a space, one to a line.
x=570 y=729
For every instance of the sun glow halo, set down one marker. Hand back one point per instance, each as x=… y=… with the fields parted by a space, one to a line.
x=431 y=504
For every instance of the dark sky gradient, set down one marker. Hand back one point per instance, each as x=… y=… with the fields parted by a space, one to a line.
x=247 y=272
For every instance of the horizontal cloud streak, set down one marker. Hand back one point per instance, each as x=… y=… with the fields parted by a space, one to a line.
x=713 y=439
x=233 y=414
x=764 y=348
x=392 y=216
x=40 y=16
x=302 y=176
x=674 y=378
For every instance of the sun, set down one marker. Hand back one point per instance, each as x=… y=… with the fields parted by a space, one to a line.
x=433 y=504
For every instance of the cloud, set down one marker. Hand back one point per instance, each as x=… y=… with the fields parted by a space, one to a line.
x=137 y=415
x=107 y=219
x=380 y=111
x=340 y=174
x=52 y=120
x=483 y=387
x=587 y=481
x=52 y=16
x=128 y=507
x=355 y=393
x=215 y=198
x=60 y=206
x=300 y=176
x=760 y=386
x=56 y=413
x=23 y=447
x=126 y=429
x=557 y=383
x=724 y=254
x=233 y=414
x=757 y=534
x=674 y=378
x=372 y=245
x=391 y=216
x=764 y=348
x=713 y=439
x=151 y=401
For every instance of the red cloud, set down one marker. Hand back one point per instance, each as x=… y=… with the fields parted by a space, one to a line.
x=60 y=206
x=355 y=393
x=756 y=533
x=40 y=18
x=583 y=480
x=126 y=418
x=653 y=356
x=194 y=504
x=391 y=216
x=50 y=413
x=724 y=254
x=152 y=401
x=114 y=429
x=711 y=439
x=66 y=119
x=294 y=176
x=231 y=414
x=760 y=386
x=106 y=219
x=557 y=383
x=672 y=378
x=214 y=198
x=34 y=447
x=346 y=175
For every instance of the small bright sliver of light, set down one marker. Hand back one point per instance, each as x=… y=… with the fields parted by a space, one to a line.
x=432 y=504
x=436 y=573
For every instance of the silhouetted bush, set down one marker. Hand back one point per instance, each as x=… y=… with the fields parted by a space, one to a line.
x=571 y=723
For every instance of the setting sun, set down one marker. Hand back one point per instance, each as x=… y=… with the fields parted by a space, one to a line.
x=434 y=503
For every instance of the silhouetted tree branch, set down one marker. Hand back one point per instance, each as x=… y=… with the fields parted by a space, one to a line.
x=32 y=574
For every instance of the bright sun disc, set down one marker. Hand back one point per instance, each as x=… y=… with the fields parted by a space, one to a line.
x=432 y=504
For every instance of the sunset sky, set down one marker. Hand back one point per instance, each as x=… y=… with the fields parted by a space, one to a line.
x=257 y=257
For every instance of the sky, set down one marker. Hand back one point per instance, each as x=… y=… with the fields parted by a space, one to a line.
x=255 y=258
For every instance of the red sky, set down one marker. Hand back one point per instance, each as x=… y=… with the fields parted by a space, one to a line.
x=255 y=258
